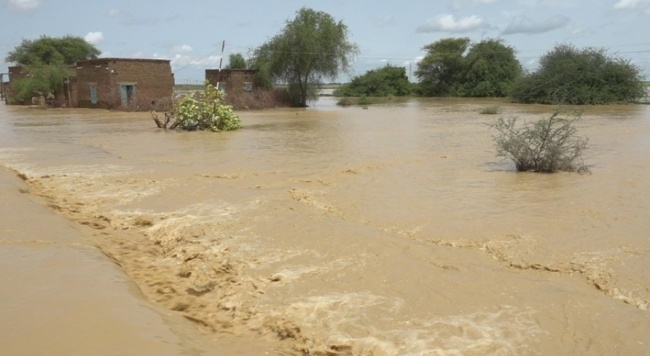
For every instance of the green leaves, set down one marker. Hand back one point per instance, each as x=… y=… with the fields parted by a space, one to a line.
x=588 y=76
x=386 y=81
x=454 y=67
x=442 y=67
x=310 y=48
x=41 y=80
x=206 y=111
x=236 y=61
x=50 y=50
x=46 y=63
x=490 y=69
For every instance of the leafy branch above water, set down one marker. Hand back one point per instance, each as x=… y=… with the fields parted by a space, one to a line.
x=203 y=110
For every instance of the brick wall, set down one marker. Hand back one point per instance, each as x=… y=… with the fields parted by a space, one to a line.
x=150 y=82
x=15 y=73
x=234 y=79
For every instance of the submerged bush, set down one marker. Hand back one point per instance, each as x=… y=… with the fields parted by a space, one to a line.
x=547 y=145
x=383 y=82
x=204 y=110
x=589 y=76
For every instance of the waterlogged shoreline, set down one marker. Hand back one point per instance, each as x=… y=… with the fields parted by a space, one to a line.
x=61 y=296
x=333 y=232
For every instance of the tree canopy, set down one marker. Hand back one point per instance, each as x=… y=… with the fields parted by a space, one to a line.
x=455 y=67
x=567 y=75
x=46 y=63
x=50 y=50
x=385 y=81
x=441 y=68
x=236 y=61
x=490 y=69
x=310 y=48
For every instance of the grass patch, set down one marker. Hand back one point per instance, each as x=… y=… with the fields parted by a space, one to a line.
x=490 y=110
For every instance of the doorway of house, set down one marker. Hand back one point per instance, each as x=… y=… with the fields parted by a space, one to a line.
x=127 y=95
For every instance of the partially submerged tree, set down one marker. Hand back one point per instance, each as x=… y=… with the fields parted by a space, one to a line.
x=568 y=75
x=44 y=80
x=441 y=68
x=310 y=48
x=455 y=67
x=386 y=81
x=46 y=64
x=490 y=69
x=203 y=110
x=546 y=146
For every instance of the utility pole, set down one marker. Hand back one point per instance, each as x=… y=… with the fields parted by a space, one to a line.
x=223 y=45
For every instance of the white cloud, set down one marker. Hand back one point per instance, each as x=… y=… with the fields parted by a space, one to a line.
x=633 y=5
x=184 y=48
x=94 y=38
x=626 y=4
x=448 y=23
x=24 y=5
x=113 y=12
x=523 y=24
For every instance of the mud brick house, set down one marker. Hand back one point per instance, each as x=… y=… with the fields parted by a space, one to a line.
x=14 y=73
x=127 y=83
x=4 y=86
x=232 y=81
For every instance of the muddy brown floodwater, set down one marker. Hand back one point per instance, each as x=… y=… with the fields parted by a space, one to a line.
x=387 y=231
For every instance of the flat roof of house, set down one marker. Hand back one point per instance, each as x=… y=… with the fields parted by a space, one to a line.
x=106 y=60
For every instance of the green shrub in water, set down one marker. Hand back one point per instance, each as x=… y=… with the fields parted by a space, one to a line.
x=205 y=110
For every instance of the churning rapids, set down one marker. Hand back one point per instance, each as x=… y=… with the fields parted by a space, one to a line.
x=387 y=231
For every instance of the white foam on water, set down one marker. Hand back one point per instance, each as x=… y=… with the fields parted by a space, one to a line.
x=344 y=319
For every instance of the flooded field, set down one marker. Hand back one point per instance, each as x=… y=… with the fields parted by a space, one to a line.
x=387 y=231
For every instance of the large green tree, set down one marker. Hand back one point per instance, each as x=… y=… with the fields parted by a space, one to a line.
x=51 y=50
x=46 y=64
x=310 y=48
x=567 y=75
x=490 y=69
x=456 y=67
x=441 y=69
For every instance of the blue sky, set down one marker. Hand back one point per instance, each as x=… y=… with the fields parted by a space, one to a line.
x=190 y=32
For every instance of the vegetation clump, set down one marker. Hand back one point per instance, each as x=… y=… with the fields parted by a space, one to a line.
x=236 y=61
x=203 y=110
x=568 y=75
x=383 y=82
x=311 y=47
x=545 y=146
x=490 y=110
x=46 y=65
x=455 y=67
